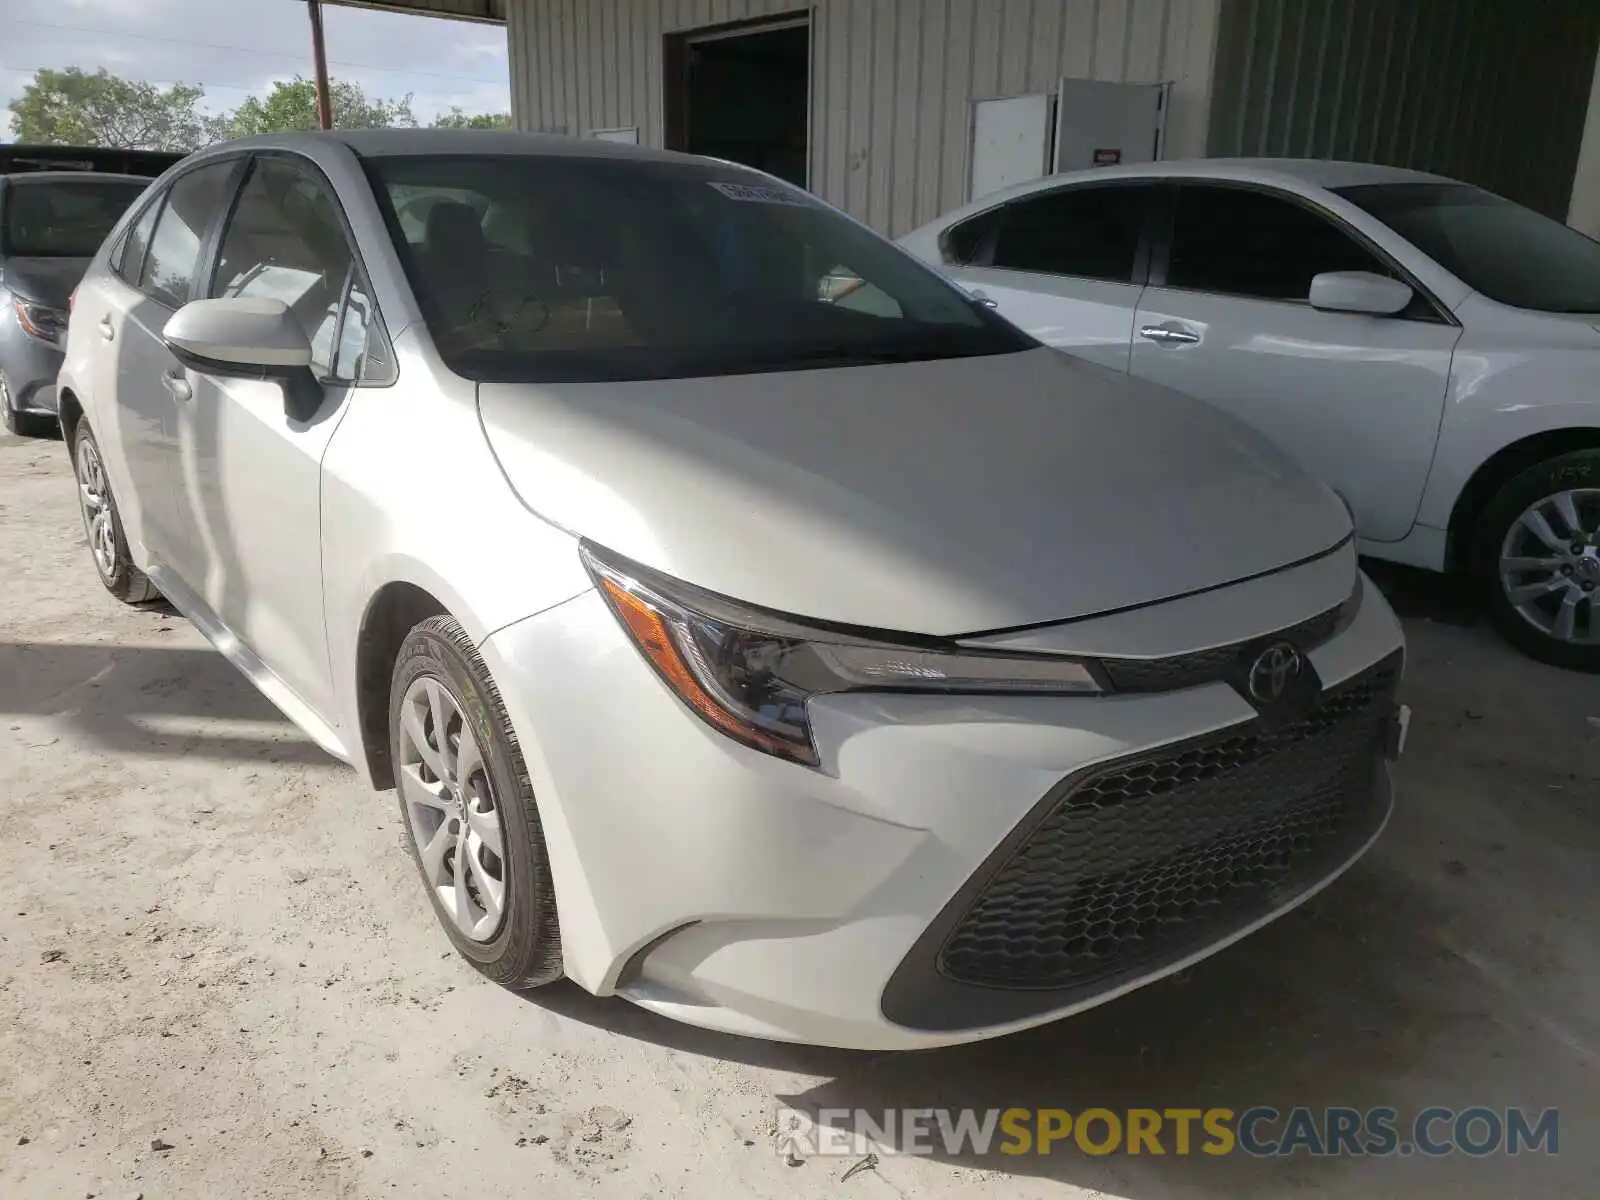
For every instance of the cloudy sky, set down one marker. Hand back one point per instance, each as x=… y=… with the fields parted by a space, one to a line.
x=236 y=47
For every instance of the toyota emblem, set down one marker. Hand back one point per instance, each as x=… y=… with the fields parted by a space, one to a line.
x=1273 y=670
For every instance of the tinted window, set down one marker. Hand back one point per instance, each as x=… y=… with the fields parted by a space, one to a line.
x=962 y=243
x=285 y=241
x=547 y=268
x=1091 y=232
x=63 y=218
x=131 y=257
x=1247 y=243
x=174 y=255
x=1509 y=253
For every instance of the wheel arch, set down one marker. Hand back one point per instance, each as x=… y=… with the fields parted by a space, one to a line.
x=394 y=610
x=1493 y=473
x=69 y=411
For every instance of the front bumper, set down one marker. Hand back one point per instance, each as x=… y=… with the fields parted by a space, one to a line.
x=29 y=371
x=719 y=886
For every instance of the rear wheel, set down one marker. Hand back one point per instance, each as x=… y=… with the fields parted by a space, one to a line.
x=1537 y=555
x=469 y=809
x=108 y=546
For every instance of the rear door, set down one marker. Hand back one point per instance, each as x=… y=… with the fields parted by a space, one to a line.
x=251 y=508
x=1357 y=399
x=152 y=274
x=1067 y=265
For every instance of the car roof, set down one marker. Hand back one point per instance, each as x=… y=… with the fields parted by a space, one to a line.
x=1294 y=173
x=378 y=143
x=1318 y=172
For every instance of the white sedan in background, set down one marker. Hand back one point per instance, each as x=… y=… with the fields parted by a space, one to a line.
x=1429 y=349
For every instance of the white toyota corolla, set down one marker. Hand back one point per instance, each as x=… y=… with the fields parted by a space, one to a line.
x=753 y=625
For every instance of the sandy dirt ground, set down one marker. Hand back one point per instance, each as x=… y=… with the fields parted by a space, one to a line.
x=219 y=976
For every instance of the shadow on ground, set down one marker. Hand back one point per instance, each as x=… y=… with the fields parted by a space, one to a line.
x=149 y=700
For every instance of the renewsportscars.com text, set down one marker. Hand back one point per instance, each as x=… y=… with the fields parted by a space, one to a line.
x=1259 y=1131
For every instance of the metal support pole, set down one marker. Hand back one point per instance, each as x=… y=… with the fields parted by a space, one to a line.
x=319 y=56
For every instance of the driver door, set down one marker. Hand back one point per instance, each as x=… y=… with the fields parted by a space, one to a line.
x=251 y=503
x=1355 y=398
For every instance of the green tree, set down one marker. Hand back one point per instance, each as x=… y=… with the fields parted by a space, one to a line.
x=74 y=108
x=458 y=119
x=292 y=104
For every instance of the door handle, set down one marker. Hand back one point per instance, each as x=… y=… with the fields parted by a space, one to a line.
x=178 y=386
x=106 y=329
x=1169 y=335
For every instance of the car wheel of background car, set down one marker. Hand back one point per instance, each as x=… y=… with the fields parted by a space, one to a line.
x=1537 y=552
x=107 y=544
x=20 y=423
x=469 y=808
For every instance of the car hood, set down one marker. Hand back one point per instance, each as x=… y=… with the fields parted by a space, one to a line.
x=941 y=497
x=43 y=280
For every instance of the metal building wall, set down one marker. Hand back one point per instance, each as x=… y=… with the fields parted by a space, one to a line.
x=892 y=80
x=1491 y=91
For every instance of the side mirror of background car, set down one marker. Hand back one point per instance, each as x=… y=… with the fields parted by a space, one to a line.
x=1359 y=292
x=247 y=337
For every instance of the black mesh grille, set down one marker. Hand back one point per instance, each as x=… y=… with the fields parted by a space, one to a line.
x=1207 y=666
x=1145 y=862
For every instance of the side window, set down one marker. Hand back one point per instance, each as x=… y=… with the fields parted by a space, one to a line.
x=1246 y=243
x=130 y=255
x=961 y=243
x=350 y=359
x=285 y=241
x=174 y=253
x=1090 y=232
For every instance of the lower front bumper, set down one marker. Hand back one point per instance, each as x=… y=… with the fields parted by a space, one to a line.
x=28 y=372
x=41 y=401
x=721 y=887
x=1128 y=870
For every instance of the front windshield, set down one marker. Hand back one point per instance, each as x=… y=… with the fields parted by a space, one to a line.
x=64 y=218
x=1509 y=253
x=547 y=268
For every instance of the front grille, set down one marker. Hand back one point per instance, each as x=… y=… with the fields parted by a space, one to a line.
x=1208 y=666
x=1143 y=863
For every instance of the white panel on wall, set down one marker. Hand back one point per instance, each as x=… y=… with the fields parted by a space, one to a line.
x=1010 y=142
x=1101 y=124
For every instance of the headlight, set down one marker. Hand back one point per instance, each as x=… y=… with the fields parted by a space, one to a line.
x=41 y=322
x=749 y=673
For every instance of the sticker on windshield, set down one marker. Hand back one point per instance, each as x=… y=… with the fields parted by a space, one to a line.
x=757 y=193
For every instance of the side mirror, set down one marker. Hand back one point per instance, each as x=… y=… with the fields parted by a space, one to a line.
x=247 y=337
x=1359 y=292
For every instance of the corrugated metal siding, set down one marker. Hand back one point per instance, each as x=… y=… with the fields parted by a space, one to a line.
x=892 y=81
x=1491 y=91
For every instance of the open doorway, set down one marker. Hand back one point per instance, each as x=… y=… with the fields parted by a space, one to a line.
x=742 y=93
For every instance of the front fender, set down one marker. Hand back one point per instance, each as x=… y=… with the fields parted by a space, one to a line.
x=1499 y=399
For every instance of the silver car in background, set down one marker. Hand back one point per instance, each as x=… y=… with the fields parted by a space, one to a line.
x=51 y=223
x=752 y=624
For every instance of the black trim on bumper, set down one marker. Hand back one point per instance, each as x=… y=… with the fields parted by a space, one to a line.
x=940 y=985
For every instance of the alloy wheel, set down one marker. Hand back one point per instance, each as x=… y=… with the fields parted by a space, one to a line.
x=94 y=498
x=1550 y=565
x=451 y=805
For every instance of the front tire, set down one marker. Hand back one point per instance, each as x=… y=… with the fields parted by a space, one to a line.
x=108 y=545
x=469 y=809
x=1536 y=554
